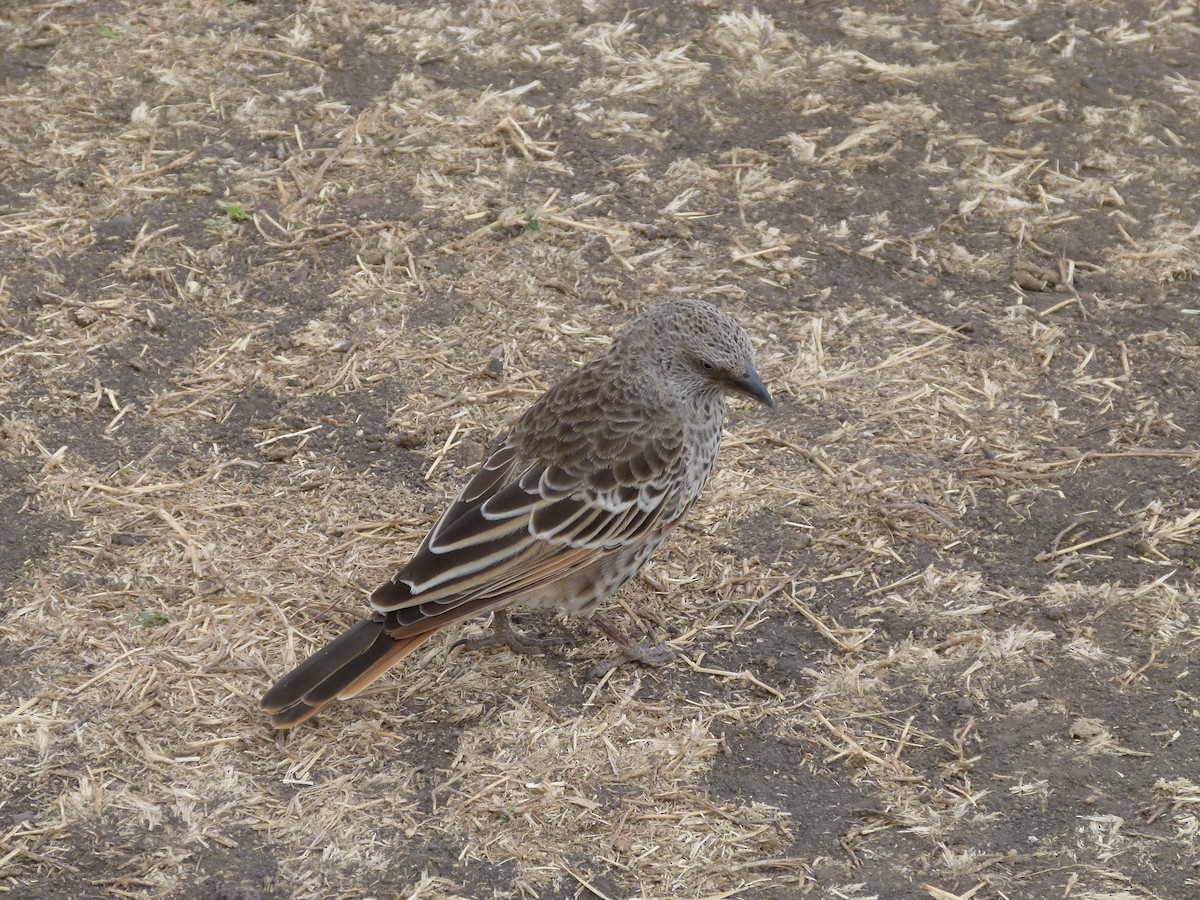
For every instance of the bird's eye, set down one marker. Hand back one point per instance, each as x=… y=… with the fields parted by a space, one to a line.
x=707 y=366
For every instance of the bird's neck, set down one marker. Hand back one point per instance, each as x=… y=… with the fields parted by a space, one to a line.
x=706 y=404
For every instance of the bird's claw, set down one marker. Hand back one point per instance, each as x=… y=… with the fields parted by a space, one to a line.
x=642 y=654
x=504 y=635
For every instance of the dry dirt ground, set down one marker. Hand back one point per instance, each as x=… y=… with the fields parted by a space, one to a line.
x=271 y=273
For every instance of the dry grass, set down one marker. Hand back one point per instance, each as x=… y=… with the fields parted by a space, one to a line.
x=271 y=275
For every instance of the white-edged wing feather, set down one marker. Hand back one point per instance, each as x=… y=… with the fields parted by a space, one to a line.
x=519 y=525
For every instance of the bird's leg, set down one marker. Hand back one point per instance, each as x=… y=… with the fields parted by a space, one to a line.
x=631 y=651
x=504 y=635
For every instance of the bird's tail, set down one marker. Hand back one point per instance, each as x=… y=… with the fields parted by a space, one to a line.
x=337 y=671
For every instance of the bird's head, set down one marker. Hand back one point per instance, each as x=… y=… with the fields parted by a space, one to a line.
x=700 y=349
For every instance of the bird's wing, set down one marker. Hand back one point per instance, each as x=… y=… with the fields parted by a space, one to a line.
x=521 y=523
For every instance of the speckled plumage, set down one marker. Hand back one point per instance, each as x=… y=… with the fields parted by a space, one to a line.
x=567 y=506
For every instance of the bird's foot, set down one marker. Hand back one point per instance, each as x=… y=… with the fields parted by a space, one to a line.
x=504 y=635
x=631 y=651
x=642 y=654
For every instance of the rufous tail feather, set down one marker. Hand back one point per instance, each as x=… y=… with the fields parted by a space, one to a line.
x=337 y=671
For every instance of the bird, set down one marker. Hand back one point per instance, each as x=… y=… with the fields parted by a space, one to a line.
x=568 y=504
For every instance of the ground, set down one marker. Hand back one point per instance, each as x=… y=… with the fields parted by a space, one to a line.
x=272 y=273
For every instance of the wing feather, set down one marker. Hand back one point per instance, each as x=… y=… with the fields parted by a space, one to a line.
x=527 y=519
x=552 y=521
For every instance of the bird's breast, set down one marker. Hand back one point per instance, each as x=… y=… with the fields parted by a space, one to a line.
x=701 y=445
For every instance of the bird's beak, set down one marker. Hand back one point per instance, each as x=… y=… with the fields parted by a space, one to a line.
x=752 y=386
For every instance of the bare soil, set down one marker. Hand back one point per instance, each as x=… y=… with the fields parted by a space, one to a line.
x=272 y=273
